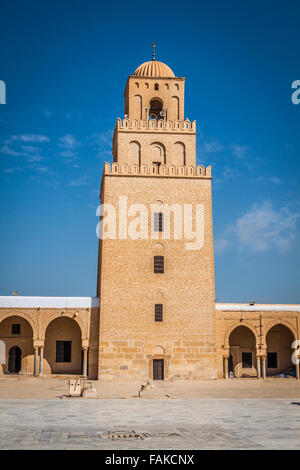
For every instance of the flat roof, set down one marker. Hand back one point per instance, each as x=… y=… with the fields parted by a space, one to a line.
x=258 y=307
x=19 y=301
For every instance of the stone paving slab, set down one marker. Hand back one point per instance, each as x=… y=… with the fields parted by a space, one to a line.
x=150 y=424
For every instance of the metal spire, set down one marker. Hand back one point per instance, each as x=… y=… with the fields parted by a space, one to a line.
x=153 y=51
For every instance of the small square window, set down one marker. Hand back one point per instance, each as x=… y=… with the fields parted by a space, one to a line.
x=159 y=264
x=246 y=360
x=158 y=312
x=272 y=360
x=63 y=351
x=16 y=328
x=158 y=222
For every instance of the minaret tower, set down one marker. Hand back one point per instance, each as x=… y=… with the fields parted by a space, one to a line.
x=156 y=287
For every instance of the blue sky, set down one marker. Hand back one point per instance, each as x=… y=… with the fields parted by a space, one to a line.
x=65 y=65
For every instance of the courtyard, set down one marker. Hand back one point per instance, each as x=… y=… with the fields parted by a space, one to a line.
x=231 y=414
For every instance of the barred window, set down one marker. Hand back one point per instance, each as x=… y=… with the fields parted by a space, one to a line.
x=63 y=351
x=158 y=222
x=16 y=328
x=158 y=312
x=158 y=264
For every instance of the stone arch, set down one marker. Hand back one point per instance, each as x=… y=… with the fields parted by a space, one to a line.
x=242 y=342
x=270 y=324
x=21 y=338
x=63 y=346
x=232 y=328
x=159 y=200
x=54 y=316
x=179 y=154
x=279 y=339
x=159 y=294
x=27 y=317
x=156 y=106
x=158 y=247
x=158 y=351
x=138 y=105
x=157 y=153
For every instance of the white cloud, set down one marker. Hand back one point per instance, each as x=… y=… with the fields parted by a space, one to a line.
x=29 y=138
x=274 y=180
x=69 y=141
x=239 y=151
x=79 y=182
x=262 y=228
x=16 y=146
x=68 y=154
x=102 y=142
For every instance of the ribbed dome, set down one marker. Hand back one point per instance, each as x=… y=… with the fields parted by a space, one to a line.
x=154 y=68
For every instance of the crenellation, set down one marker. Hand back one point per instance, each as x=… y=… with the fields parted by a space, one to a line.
x=190 y=171
x=159 y=126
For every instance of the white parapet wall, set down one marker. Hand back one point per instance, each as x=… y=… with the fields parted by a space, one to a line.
x=48 y=302
x=258 y=307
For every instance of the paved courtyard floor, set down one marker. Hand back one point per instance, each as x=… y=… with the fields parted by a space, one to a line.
x=150 y=424
x=254 y=415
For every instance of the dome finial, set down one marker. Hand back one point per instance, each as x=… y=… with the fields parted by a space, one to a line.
x=153 y=50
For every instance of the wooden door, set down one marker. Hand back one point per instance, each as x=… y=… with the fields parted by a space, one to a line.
x=158 y=369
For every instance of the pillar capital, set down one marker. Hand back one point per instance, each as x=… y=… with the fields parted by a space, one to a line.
x=226 y=353
x=84 y=343
x=38 y=343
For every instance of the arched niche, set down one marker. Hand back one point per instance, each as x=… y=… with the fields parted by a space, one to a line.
x=138 y=106
x=174 y=108
x=179 y=154
x=242 y=347
x=157 y=154
x=17 y=334
x=63 y=352
x=279 y=341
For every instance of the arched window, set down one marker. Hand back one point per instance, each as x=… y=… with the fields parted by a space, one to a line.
x=156 y=106
x=156 y=86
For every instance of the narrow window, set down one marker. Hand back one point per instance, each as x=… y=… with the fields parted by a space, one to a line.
x=272 y=360
x=159 y=264
x=156 y=87
x=63 y=351
x=246 y=360
x=158 y=222
x=16 y=328
x=158 y=312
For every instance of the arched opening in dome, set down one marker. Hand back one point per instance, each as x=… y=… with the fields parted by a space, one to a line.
x=156 y=107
